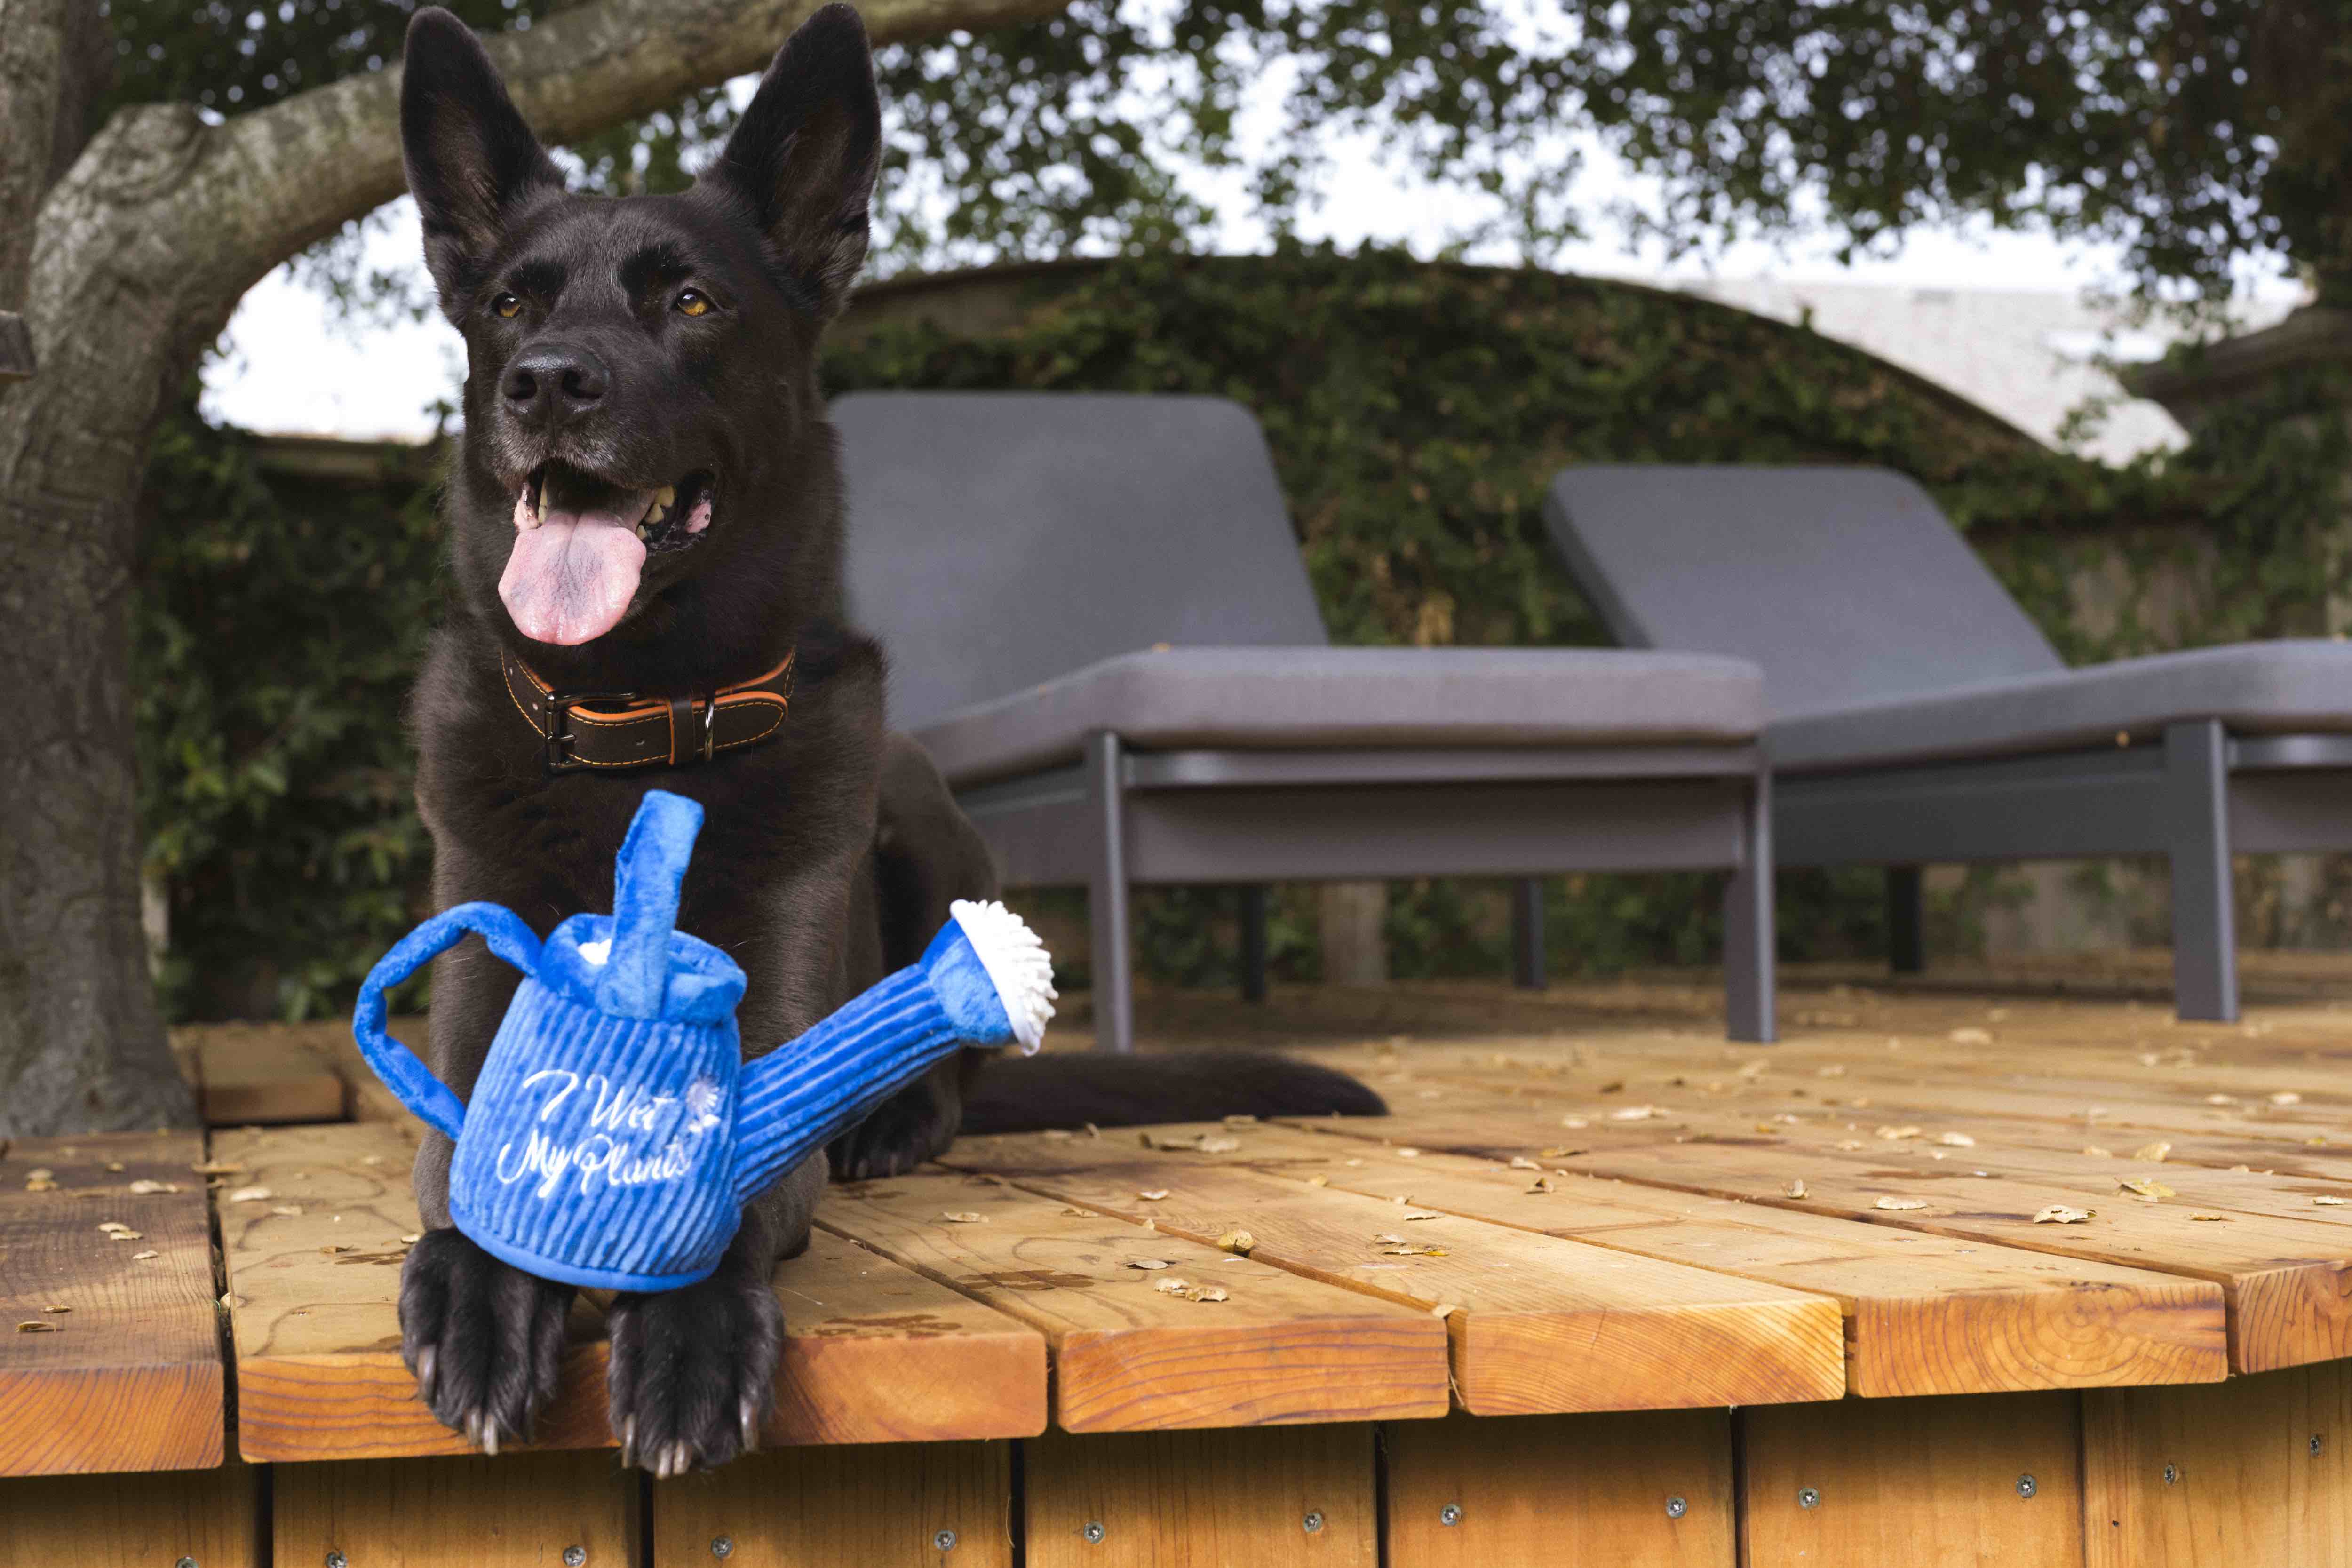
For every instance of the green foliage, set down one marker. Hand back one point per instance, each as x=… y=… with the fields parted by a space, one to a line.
x=277 y=627
x=1415 y=412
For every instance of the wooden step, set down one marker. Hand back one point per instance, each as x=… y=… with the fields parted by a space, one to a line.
x=109 y=1349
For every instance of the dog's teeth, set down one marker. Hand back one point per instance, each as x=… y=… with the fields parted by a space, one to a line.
x=646 y=531
x=665 y=497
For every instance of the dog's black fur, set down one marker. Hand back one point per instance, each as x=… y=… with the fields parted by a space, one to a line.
x=828 y=855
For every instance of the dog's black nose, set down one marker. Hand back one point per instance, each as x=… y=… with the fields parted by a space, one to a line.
x=554 y=381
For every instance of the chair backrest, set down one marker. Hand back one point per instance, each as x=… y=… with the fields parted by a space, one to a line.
x=1847 y=585
x=999 y=539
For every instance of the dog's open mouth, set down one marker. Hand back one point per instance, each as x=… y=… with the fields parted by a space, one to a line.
x=581 y=543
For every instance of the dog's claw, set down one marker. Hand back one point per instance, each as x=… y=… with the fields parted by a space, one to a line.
x=750 y=1414
x=629 y=1442
x=425 y=1360
x=489 y=1436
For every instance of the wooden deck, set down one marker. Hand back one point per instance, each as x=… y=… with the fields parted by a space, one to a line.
x=1603 y=1290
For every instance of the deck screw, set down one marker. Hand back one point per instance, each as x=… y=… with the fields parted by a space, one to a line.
x=2025 y=1487
x=721 y=1546
x=337 y=1560
x=185 y=1562
x=943 y=1542
x=2317 y=1443
x=1450 y=1514
x=574 y=1555
x=2171 y=1474
x=1312 y=1522
x=1677 y=1507
x=1808 y=1497
x=1094 y=1532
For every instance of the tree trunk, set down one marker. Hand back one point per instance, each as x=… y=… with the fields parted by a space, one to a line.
x=142 y=249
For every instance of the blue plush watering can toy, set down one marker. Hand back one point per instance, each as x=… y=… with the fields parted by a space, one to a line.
x=616 y=1132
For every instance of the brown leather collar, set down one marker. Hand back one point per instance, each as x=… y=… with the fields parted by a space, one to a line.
x=615 y=730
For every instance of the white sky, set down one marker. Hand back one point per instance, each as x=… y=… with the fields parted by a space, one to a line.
x=292 y=365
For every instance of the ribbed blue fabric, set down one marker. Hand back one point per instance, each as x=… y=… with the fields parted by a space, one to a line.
x=615 y=1132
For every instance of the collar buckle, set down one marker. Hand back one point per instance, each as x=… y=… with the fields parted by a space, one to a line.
x=560 y=704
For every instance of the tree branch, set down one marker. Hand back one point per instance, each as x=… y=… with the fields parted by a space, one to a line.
x=306 y=166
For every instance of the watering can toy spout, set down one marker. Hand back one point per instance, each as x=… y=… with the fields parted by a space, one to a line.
x=614 y=1134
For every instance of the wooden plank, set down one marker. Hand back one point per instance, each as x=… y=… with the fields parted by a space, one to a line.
x=2254 y=1472
x=1924 y=1313
x=1128 y=1357
x=130 y=1377
x=1640 y=1489
x=133 y=1519
x=1297 y=1499
x=265 y=1074
x=873 y=1351
x=927 y=1505
x=1936 y=1483
x=2281 y=1279
x=876 y=1353
x=1541 y=1325
x=469 y=1512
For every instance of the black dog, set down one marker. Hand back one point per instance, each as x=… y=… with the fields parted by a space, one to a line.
x=647 y=501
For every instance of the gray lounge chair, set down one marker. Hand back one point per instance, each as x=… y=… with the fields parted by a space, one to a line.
x=1099 y=626
x=1918 y=716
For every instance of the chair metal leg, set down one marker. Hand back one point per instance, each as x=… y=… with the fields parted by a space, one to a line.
x=1748 y=958
x=2204 y=924
x=1528 y=933
x=1114 y=978
x=1253 y=922
x=1905 y=919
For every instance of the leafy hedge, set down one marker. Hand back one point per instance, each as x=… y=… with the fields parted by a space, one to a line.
x=1415 y=411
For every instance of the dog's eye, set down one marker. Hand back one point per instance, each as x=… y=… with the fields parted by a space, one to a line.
x=694 y=302
x=506 y=306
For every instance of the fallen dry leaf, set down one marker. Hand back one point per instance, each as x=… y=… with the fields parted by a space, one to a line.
x=143 y=1256
x=1412 y=1252
x=1575 y=1121
x=1543 y=1184
x=115 y=1164
x=412 y=1238
x=2286 y=1096
x=1836 y=1070
x=1146 y=1263
x=2153 y=1153
x=2096 y=1152
x=1956 y=1141
x=251 y=1195
x=55 y=1309
x=1241 y=1118
x=2148 y=1187
x=331 y=1250
x=1239 y=1241
x=1521 y=1162
x=1795 y=1189
x=1219 y=1145
x=231 y=1168
x=2209 y=1216
x=1970 y=1036
x=2331 y=1203
x=1634 y=1113
x=1318 y=1181
x=2063 y=1213
x=39 y=1174
x=39 y=1184
x=963 y=1216
x=1897 y=1134
x=35 y=1326
x=1848 y=1143
x=144 y=1185
x=1443 y=1310
x=1408 y=1153
x=1424 y=1216
x=2220 y=1100
x=1900 y=1204
x=1154 y=1194
x=288 y=1210
x=1059 y=1135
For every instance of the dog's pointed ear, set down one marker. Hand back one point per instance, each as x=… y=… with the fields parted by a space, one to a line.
x=472 y=163
x=804 y=158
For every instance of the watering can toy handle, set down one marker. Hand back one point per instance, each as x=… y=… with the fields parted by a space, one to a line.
x=393 y=1062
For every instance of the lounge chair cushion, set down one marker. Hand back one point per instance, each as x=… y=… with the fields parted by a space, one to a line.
x=2252 y=687
x=1355 y=696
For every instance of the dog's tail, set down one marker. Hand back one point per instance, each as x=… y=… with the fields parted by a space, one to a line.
x=1069 y=1089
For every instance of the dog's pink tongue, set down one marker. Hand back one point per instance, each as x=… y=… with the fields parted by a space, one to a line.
x=569 y=579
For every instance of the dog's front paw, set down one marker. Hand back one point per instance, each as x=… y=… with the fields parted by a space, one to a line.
x=693 y=1374
x=484 y=1339
x=914 y=1124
